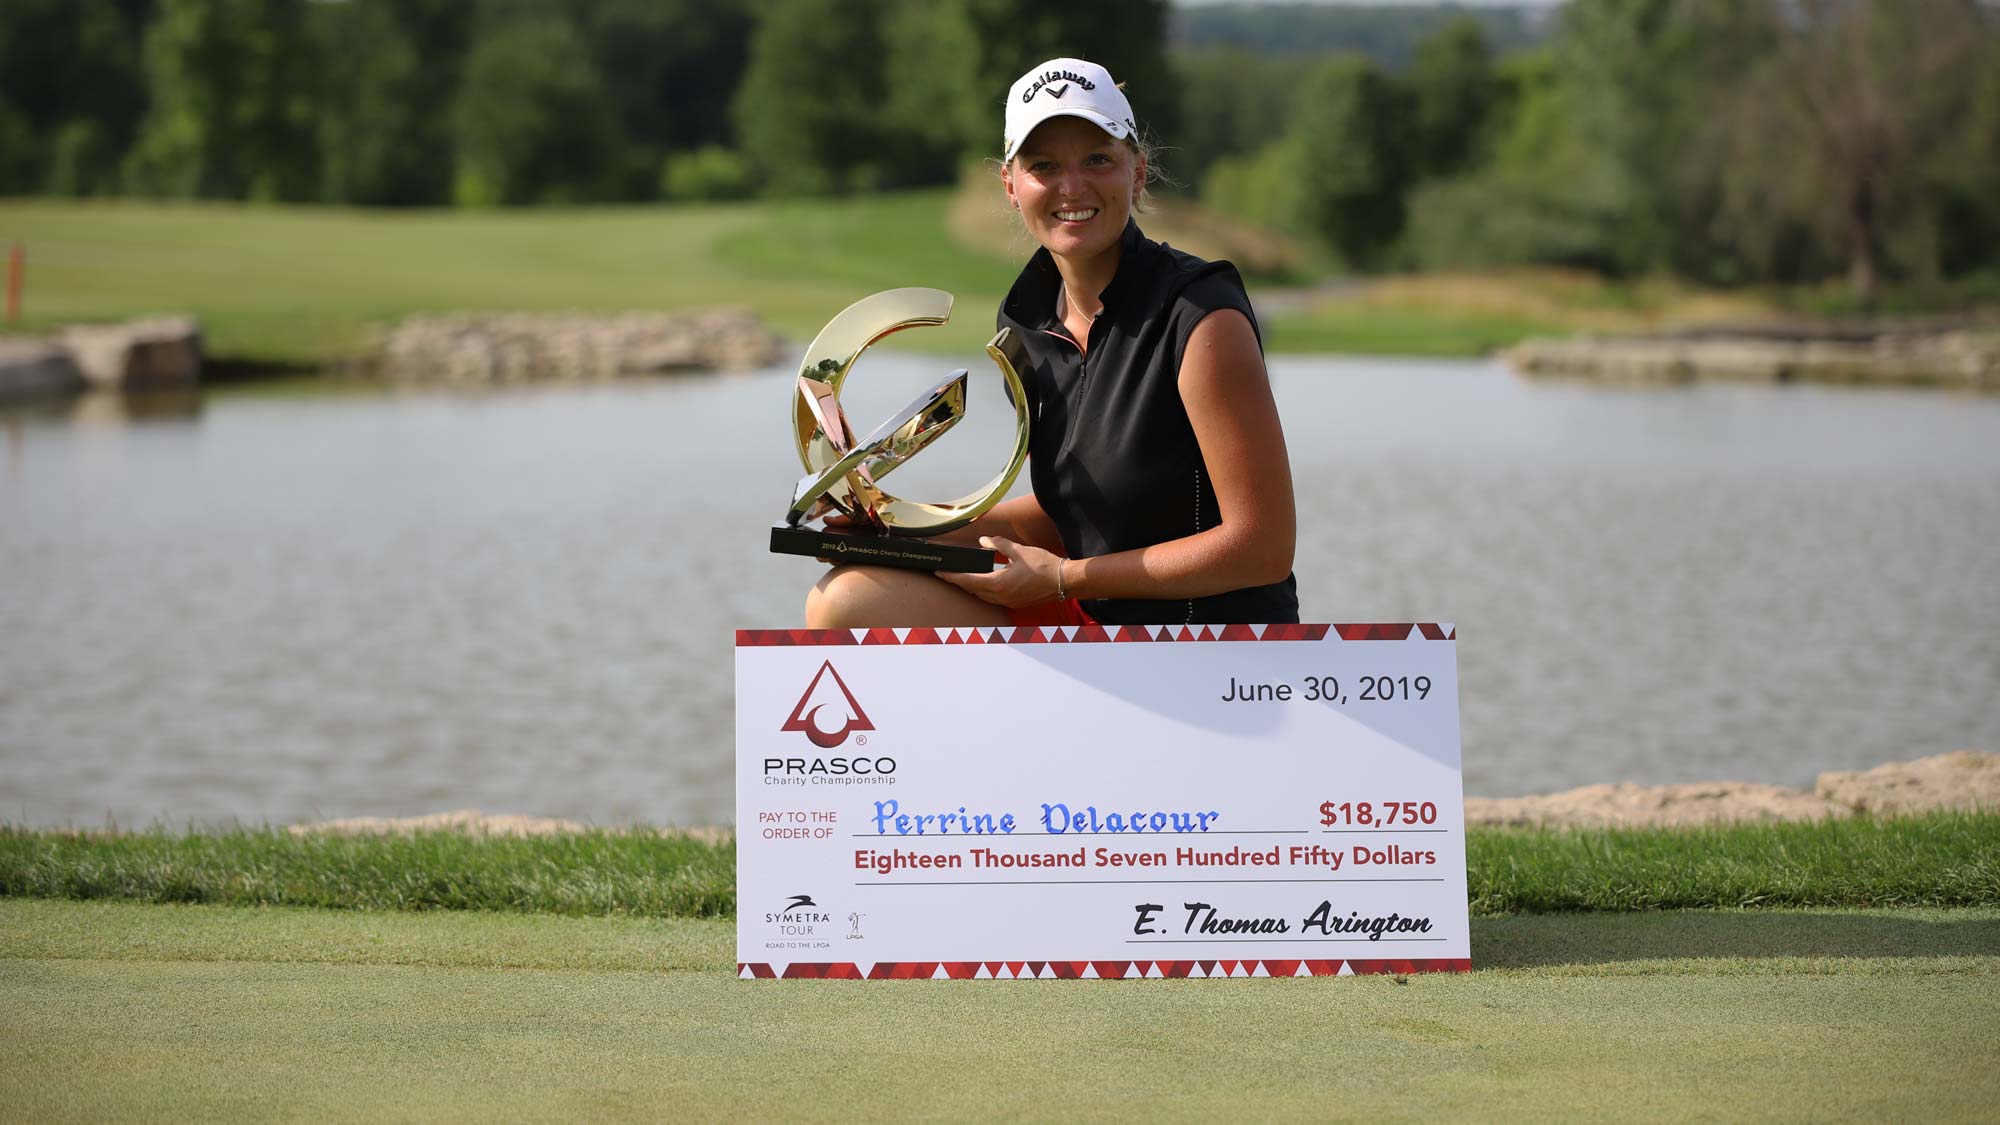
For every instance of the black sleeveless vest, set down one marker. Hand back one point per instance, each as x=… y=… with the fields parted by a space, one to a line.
x=1113 y=458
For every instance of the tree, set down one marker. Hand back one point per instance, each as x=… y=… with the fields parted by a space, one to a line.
x=1340 y=172
x=1547 y=194
x=231 y=85
x=1232 y=103
x=17 y=150
x=1351 y=137
x=419 y=168
x=1265 y=188
x=70 y=72
x=1452 y=91
x=531 y=120
x=708 y=173
x=1643 y=79
x=1832 y=132
x=368 y=129
x=1390 y=34
x=1963 y=170
x=812 y=120
x=935 y=111
x=810 y=108
x=1126 y=37
x=381 y=98
x=670 y=69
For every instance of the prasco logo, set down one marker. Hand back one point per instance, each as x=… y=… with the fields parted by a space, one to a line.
x=805 y=716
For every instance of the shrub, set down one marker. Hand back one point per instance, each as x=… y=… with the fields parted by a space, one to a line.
x=709 y=172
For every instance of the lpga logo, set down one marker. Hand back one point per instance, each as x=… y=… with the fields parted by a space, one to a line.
x=806 y=716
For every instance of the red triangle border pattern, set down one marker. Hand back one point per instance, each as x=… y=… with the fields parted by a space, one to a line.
x=1097 y=970
x=1088 y=634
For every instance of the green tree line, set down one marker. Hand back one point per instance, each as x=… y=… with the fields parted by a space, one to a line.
x=477 y=102
x=1730 y=141
x=1388 y=34
x=1726 y=140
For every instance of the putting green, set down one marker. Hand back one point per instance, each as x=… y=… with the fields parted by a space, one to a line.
x=122 y=1010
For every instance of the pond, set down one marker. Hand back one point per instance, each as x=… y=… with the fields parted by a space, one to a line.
x=265 y=607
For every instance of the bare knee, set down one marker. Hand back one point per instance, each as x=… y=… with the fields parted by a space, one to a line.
x=858 y=597
x=841 y=599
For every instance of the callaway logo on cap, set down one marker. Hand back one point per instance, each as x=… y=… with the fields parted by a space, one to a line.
x=1066 y=88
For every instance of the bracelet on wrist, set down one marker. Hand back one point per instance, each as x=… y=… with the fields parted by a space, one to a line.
x=1062 y=590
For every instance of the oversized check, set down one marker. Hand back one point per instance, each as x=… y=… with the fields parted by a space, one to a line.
x=1099 y=802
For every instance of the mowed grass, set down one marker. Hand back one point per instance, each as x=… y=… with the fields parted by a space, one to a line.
x=1937 y=859
x=118 y=1010
x=1474 y=314
x=308 y=285
x=1359 y=326
x=589 y=873
x=1942 y=859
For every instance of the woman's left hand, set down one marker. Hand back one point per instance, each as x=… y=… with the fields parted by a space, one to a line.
x=1029 y=578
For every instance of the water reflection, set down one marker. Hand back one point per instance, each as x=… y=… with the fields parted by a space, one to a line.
x=279 y=607
x=103 y=410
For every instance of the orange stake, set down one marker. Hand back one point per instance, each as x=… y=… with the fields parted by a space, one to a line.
x=14 y=256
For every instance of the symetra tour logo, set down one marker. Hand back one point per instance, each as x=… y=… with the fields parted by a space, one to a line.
x=800 y=917
x=806 y=717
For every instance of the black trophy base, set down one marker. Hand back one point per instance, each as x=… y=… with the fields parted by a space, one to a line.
x=874 y=549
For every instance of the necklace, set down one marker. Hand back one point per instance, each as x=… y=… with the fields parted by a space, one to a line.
x=1069 y=302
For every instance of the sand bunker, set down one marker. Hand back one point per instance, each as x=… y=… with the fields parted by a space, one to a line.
x=1963 y=779
x=475 y=823
x=1625 y=804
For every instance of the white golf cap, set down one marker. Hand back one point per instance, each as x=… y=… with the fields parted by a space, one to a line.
x=1066 y=88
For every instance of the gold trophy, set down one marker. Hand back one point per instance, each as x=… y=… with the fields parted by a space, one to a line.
x=844 y=472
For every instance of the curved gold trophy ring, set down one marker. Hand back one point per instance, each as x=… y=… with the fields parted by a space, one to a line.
x=843 y=470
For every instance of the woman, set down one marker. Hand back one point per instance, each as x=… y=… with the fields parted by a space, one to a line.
x=1162 y=492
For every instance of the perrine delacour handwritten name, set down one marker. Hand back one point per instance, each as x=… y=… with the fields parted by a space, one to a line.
x=1057 y=819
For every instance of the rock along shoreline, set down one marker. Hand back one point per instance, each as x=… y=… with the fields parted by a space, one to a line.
x=1963 y=780
x=457 y=349
x=152 y=353
x=475 y=348
x=1961 y=355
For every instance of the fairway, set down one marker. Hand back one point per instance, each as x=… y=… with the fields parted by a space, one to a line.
x=310 y=285
x=130 y=1010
